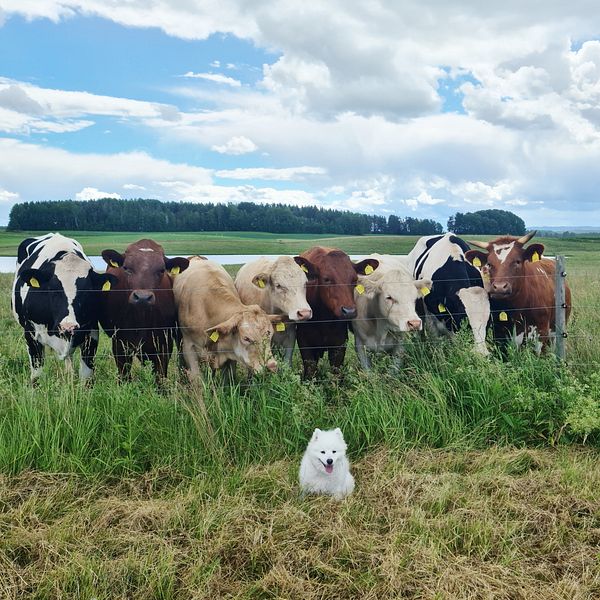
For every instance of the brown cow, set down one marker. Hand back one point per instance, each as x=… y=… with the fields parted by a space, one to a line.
x=520 y=284
x=139 y=312
x=331 y=298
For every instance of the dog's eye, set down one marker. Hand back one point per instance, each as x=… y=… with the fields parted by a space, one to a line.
x=322 y=451
x=333 y=451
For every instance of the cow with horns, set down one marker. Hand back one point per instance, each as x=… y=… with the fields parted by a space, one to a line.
x=520 y=284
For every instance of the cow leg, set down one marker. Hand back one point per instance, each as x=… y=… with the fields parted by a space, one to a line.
x=309 y=362
x=162 y=348
x=361 y=352
x=288 y=349
x=36 y=355
x=88 y=354
x=336 y=358
x=123 y=358
x=228 y=372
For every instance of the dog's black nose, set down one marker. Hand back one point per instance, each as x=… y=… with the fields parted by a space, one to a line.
x=330 y=461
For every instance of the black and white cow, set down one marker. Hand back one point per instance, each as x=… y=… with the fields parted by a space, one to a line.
x=55 y=298
x=457 y=288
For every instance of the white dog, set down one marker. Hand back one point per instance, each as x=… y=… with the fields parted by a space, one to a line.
x=324 y=468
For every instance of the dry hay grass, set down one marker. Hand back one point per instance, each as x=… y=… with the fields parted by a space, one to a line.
x=514 y=524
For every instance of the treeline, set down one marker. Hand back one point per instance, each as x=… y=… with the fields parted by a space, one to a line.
x=490 y=222
x=109 y=214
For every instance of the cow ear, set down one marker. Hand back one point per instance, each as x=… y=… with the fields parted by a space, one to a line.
x=176 y=265
x=533 y=252
x=476 y=258
x=113 y=258
x=103 y=281
x=35 y=278
x=307 y=267
x=422 y=285
x=367 y=266
x=222 y=329
x=260 y=280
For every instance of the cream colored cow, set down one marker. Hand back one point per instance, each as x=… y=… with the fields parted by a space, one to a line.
x=278 y=287
x=385 y=307
x=216 y=326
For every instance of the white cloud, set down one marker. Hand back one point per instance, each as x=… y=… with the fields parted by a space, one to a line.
x=236 y=145
x=285 y=174
x=90 y=193
x=133 y=186
x=6 y=196
x=214 y=77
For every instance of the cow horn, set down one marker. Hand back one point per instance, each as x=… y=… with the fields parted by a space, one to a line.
x=483 y=245
x=524 y=239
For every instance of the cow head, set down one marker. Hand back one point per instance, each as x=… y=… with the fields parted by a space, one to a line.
x=336 y=279
x=396 y=294
x=503 y=264
x=286 y=284
x=246 y=338
x=143 y=269
x=68 y=289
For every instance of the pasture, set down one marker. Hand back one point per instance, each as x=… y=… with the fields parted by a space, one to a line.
x=476 y=477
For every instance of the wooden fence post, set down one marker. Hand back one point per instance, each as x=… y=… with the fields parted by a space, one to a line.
x=560 y=305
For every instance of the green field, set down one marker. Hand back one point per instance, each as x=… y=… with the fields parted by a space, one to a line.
x=476 y=478
x=581 y=248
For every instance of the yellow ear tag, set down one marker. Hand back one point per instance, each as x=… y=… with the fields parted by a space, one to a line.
x=106 y=286
x=114 y=264
x=214 y=336
x=425 y=291
x=280 y=327
x=441 y=308
x=503 y=316
x=175 y=270
x=303 y=267
x=476 y=262
x=261 y=283
x=535 y=257
x=360 y=288
x=369 y=269
x=33 y=282
x=485 y=277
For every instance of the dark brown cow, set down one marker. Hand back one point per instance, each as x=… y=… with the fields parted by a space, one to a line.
x=331 y=298
x=520 y=284
x=139 y=312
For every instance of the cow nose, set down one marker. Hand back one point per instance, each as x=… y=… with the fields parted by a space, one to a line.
x=272 y=365
x=330 y=461
x=67 y=327
x=501 y=287
x=304 y=314
x=142 y=297
x=414 y=324
x=348 y=311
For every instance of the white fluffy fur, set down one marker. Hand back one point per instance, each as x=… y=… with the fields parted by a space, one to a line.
x=314 y=478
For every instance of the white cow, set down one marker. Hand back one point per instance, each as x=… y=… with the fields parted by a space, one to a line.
x=385 y=307
x=278 y=287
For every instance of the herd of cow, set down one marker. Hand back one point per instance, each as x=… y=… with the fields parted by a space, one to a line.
x=147 y=302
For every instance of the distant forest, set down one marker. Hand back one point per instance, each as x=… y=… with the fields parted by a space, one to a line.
x=153 y=215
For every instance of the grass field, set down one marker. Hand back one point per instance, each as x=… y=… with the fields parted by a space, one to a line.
x=476 y=478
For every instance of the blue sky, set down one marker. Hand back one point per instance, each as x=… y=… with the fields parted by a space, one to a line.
x=373 y=107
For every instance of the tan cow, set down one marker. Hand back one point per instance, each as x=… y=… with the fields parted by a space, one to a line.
x=385 y=307
x=278 y=287
x=216 y=327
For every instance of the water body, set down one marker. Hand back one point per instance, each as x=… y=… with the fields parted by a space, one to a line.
x=7 y=263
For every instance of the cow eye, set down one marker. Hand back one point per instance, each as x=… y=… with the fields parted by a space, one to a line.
x=248 y=340
x=127 y=270
x=388 y=298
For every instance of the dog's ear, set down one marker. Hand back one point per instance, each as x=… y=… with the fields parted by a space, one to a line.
x=315 y=435
x=339 y=433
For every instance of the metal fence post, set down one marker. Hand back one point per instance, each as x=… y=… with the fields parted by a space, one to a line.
x=560 y=305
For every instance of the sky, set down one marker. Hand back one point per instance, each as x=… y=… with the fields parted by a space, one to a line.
x=375 y=106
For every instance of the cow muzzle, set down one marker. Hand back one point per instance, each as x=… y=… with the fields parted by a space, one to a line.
x=272 y=365
x=142 y=297
x=67 y=328
x=348 y=312
x=414 y=325
x=500 y=289
x=304 y=314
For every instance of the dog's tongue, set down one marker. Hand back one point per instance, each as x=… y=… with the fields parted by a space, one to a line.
x=329 y=468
